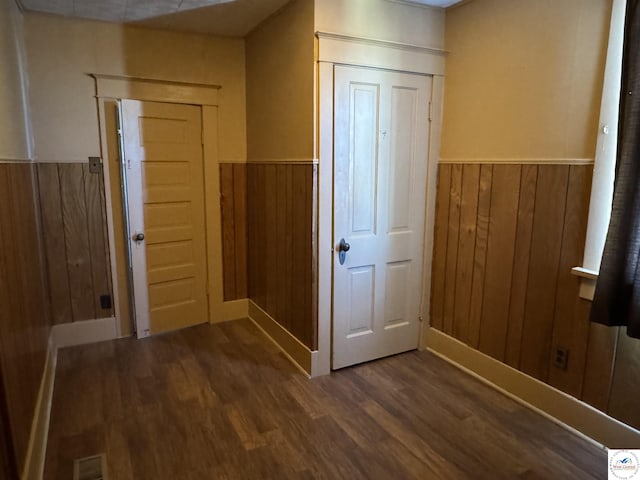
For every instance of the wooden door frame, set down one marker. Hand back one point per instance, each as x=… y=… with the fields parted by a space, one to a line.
x=110 y=89
x=336 y=49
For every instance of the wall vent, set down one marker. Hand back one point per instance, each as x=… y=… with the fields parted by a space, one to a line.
x=90 y=468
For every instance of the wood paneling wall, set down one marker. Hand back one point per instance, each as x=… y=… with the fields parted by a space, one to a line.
x=282 y=245
x=24 y=315
x=76 y=245
x=233 y=205
x=506 y=238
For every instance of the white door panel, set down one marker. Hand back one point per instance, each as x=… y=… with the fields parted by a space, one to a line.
x=381 y=145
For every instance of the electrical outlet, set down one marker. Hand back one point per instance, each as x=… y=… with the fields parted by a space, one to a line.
x=95 y=164
x=561 y=358
x=105 y=302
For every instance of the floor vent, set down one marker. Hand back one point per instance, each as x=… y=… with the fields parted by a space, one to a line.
x=90 y=468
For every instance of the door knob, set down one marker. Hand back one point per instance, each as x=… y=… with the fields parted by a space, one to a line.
x=138 y=237
x=343 y=248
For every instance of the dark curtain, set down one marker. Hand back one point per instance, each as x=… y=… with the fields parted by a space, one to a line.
x=617 y=297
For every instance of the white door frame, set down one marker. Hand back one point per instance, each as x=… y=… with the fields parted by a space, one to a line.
x=363 y=52
x=110 y=88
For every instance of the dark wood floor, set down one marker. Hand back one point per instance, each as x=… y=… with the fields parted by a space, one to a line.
x=222 y=402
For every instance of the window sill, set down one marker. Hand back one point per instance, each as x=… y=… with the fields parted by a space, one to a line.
x=588 y=280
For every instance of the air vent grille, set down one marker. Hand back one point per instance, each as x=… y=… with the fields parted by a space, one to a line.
x=90 y=468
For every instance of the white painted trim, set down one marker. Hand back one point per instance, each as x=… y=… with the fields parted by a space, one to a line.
x=563 y=409
x=435 y=134
x=584 y=273
x=88 y=331
x=519 y=161
x=368 y=52
x=213 y=216
x=283 y=161
x=606 y=150
x=33 y=467
x=325 y=218
x=379 y=43
x=296 y=351
x=6 y=159
x=108 y=201
x=155 y=90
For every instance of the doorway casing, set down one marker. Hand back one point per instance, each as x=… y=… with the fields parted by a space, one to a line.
x=109 y=90
x=336 y=49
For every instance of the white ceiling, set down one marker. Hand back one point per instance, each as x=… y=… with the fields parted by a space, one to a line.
x=219 y=17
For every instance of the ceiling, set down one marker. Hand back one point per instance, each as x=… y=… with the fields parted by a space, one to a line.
x=219 y=17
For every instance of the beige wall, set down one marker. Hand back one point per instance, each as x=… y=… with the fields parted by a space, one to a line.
x=61 y=52
x=383 y=20
x=280 y=80
x=14 y=127
x=524 y=78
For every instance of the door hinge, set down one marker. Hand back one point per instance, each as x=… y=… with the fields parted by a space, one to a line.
x=420 y=318
x=430 y=111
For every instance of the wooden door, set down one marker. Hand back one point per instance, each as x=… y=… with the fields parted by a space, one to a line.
x=165 y=196
x=380 y=147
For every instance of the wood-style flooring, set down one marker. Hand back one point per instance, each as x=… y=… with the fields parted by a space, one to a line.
x=221 y=402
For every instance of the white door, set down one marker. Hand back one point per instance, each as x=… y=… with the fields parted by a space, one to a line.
x=380 y=177
x=165 y=195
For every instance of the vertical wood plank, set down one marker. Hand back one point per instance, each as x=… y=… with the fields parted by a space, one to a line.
x=283 y=296
x=271 y=238
x=548 y=223
x=441 y=229
x=96 y=221
x=54 y=242
x=524 y=229
x=480 y=256
x=261 y=236
x=452 y=248
x=299 y=254
x=228 y=231
x=74 y=215
x=466 y=250
x=505 y=191
x=598 y=374
x=252 y=246
x=307 y=335
x=240 y=222
x=24 y=316
x=571 y=318
x=314 y=257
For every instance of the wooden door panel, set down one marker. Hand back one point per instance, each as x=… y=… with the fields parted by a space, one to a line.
x=163 y=147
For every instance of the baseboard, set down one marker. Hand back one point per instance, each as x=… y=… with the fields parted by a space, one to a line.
x=89 y=331
x=293 y=348
x=36 y=452
x=550 y=402
x=232 y=310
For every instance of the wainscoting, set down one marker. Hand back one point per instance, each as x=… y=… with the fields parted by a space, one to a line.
x=76 y=245
x=281 y=255
x=24 y=318
x=506 y=238
x=233 y=205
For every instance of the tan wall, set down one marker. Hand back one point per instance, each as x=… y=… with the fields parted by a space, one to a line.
x=61 y=52
x=383 y=20
x=14 y=129
x=280 y=79
x=524 y=78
